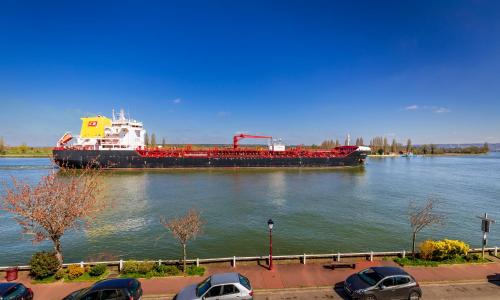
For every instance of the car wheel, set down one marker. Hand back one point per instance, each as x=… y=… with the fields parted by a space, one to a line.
x=414 y=296
x=371 y=297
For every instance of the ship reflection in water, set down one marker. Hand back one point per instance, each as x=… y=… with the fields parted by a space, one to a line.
x=127 y=206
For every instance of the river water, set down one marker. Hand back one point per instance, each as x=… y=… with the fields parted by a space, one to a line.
x=314 y=210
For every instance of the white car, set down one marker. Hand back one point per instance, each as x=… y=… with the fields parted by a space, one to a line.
x=221 y=286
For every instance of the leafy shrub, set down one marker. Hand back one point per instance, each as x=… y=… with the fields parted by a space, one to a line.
x=472 y=257
x=43 y=264
x=133 y=266
x=145 y=267
x=130 y=266
x=443 y=250
x=97 y=270
x=408 y=261
x=60 y=274
x=75 y=271
x=162 y=270
x=194 y=270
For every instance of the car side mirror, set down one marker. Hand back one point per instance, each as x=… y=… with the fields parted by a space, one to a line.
x=382 y=287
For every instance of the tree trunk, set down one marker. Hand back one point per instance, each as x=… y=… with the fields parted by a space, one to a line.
x=184 y=256
x=414 y=237
x=58 y=250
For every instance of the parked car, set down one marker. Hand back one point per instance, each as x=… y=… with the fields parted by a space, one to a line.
x=379 y=283
x=15 y=291
x=109 y=289
x=221 y=286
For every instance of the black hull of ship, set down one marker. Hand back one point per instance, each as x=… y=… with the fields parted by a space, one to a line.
x=129 y=159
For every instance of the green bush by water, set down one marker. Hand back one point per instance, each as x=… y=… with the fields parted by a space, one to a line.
x=60 y=274
x=167 y=270
x=137 y=269
x=132 y=266
x=43 y=264
x=194 y=270
x=97 y=270
x=470 y=258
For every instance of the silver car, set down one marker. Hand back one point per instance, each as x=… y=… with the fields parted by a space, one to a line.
x=221 y=286
x=381 y=283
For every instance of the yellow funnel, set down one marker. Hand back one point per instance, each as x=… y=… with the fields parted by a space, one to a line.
x=94 y=126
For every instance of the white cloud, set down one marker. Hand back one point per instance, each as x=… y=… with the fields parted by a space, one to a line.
x=176 y=101
x=434 y=109
x=411 y=107
x=440 y=110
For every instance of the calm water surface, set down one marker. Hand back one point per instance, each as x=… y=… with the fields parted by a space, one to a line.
x=315 y=211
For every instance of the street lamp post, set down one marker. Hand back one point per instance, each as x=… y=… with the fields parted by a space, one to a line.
x=485 y=228
x=270 y=224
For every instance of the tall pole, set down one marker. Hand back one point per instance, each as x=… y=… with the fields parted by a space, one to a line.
x=485 y=235
x=270 y=249
x=485 y=228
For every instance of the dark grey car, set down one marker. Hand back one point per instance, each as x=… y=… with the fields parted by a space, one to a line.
x=382 y=283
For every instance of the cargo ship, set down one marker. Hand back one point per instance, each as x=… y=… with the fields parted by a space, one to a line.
x=119 y=143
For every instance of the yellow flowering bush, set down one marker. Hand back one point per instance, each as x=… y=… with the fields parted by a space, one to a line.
x=442 y=250
x=75 y=271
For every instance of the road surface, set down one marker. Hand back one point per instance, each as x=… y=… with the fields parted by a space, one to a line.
x=455 y=291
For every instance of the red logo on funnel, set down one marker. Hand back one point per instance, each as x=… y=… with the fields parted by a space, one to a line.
x=92 y=123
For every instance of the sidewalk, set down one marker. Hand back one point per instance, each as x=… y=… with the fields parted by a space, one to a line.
x=287 y=276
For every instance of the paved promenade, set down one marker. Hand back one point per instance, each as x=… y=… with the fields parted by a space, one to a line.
x=288 y=276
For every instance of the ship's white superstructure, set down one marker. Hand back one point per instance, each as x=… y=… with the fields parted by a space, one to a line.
x=101 y=133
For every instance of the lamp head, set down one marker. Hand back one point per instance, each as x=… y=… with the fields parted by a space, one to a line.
x=270 y=223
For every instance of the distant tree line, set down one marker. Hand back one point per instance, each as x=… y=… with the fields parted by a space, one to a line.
x=23 y=149
x=2 y=146
x=151 y=142
x=380 y=145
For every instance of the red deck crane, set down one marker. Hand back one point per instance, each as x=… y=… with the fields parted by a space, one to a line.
x=238 y=137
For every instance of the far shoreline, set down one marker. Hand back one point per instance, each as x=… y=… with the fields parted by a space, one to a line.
x=25 y=156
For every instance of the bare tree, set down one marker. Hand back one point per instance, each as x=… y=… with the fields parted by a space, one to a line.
x=184 y=229
x=423 y=216
x=61 y=201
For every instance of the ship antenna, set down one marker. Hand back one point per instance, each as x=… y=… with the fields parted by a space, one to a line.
x=113 y=114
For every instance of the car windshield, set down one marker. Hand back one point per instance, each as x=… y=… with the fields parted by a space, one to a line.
x=245 y=282
x=76 y=294
x=370 y=276
x=203 y=287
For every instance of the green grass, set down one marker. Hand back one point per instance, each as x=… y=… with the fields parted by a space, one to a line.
x=49 y=279
x=191 y=271
x=408 y=261
x=195 y=271
x=415 y=262
x=87 y=277
x=84 y=278
x=151 y=274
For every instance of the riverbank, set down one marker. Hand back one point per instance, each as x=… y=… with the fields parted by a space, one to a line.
x=49 y=155
x=25 y=151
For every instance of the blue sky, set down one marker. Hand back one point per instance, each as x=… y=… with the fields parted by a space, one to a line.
x=305 y=71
